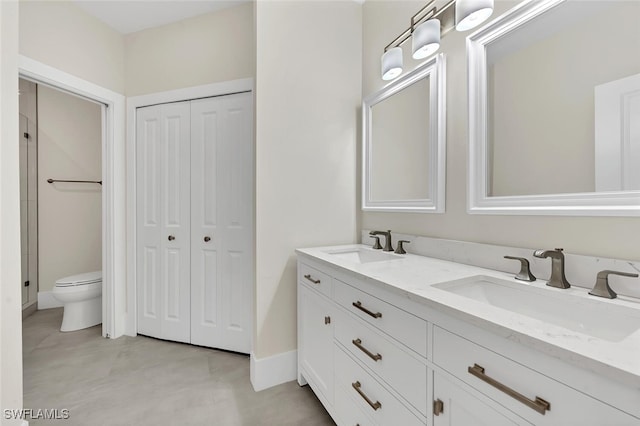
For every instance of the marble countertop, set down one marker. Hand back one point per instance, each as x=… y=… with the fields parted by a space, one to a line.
x=414 y=277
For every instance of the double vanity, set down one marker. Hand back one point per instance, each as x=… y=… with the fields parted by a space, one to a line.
x=388 y=339
x=446 y=336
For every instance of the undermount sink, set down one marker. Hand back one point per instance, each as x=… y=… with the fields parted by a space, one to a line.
x=363 y=255
x=603 y=320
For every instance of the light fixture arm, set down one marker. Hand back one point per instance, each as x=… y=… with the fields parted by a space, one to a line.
x=415 y=20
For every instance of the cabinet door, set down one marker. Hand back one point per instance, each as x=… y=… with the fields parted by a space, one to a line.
x=163 y=221
x=316 y=341
x=462 y=408
x=221 y=222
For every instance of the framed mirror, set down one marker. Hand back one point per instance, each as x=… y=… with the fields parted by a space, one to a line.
x=404 y=143
x=554 y=110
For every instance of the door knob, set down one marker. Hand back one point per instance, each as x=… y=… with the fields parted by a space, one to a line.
x=171 y=238
x=207 y=239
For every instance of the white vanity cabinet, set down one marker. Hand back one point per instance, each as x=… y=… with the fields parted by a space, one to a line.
x=347 y=354
x=374 y=356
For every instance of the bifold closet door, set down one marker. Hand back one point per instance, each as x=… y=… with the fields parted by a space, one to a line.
x=222 y=221
x=163 y=221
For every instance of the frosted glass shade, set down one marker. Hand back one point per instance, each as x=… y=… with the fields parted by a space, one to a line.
x=425 y=39
x=392 y=63
x=471 y=13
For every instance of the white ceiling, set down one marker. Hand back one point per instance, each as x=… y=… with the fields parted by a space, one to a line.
x=131 y=16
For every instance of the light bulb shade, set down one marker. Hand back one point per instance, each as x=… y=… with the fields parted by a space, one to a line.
x=425 y=39
x=392 y=63
x=471 y=13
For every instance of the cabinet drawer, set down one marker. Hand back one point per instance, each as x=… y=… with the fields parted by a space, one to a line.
x=402 y=326
x=392 y=363
x=348 y=411
x=314 y=278
x=369 y=395
x=512 y=385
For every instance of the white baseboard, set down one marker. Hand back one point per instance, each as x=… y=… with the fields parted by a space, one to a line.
x=47 y=301
x=274 y=370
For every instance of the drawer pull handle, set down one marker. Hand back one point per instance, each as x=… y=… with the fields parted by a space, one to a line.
x=358 y=344
x=308 y=276
x=375 y=405
x=358 y=305
x=538 y=404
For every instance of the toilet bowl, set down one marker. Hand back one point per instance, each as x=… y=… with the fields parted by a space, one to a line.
x=81 y=296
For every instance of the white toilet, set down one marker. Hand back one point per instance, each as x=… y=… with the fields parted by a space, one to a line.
x=81 y=296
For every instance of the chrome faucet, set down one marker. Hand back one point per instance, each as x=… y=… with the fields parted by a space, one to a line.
x=387 y=239
x=558 y=279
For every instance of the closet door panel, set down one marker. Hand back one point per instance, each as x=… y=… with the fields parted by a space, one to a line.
x=205 y=238
x=148 y=225
x=222 y=200
x=236 y=196
x=176 y=129
x=177 y=137
x=208 y=297
x=148 y=295
x=163 y=269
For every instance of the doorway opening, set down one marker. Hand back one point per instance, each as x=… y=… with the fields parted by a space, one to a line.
x=61 y=203
x=113 y=194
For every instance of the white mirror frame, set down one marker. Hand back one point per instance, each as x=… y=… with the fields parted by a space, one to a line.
x=435 y=70
x=618 y=203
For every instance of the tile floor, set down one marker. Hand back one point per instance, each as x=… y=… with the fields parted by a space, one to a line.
x=144 y=381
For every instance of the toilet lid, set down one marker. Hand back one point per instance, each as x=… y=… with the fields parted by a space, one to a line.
x=86 y=278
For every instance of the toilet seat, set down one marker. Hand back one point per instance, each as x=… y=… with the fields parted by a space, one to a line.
x=80 y=279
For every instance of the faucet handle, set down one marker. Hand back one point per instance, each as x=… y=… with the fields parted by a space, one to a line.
x=399 y=248
x=602 y=288
x=525 y=271
x=376 y=245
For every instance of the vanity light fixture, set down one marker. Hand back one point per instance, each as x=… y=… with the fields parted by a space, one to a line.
x=392 y=63
x=471 y=13
x=426 y=39
x=428 y=26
